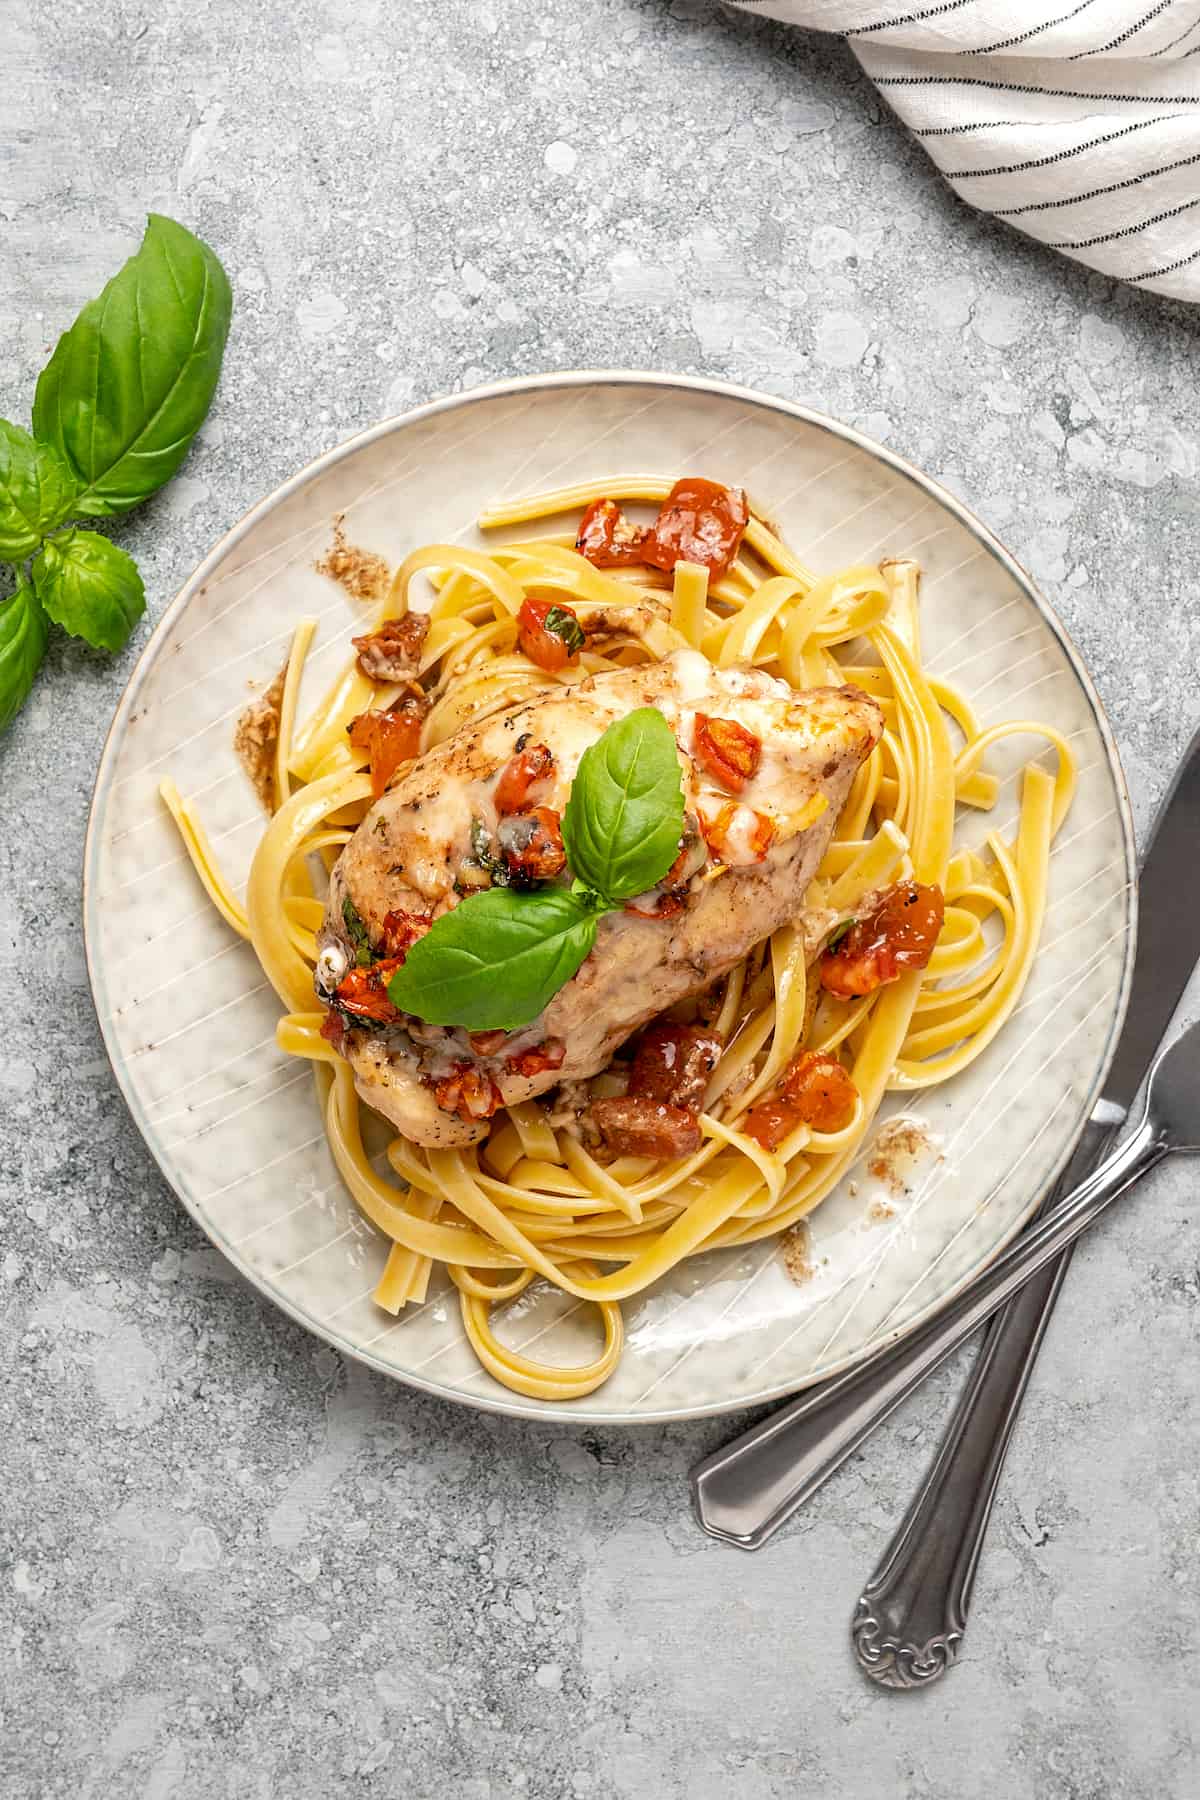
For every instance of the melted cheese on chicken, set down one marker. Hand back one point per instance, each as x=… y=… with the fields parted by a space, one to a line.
x=409 y=854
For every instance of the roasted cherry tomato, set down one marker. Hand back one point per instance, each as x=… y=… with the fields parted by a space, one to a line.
x=363 y=994
x=667 y=905
x=394 y=651
x=532 y=763
x=726 y=751
x=816 y=1091
x=333 y=1030
x=638 y=1127
x=469 y=1092
x=548 y=633
x=700 y=522
x=897 y=932
x=673 y=1063
x=531 y=843
x=537 y=1060
x=401 y=931
x=389 y=738
x=738 y=836
x=607 y=538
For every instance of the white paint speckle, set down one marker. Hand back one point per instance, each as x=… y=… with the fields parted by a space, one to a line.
x=638 y=283
x=331 y=58
x=1001 y=320
x=841 y=340
x=829 y=246
x=1048 y=428
x=319 y=313
x=23 y=1582
x=202 y=1552
x=165 y=1268
x=200 y=147
x=521 y=1601
x=447 y=305
x=550 y=1677
x=803 y=117
x=1099 y=341
x=560 y=157
x=183 y=495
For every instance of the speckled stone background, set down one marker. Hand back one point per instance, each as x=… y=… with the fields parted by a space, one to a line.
x=235 y=1567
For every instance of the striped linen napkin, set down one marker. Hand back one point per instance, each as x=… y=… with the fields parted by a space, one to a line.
x=1077 y=121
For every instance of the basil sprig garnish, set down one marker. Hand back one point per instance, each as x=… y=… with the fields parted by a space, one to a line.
x=497 y=960
x=22 y=647
x=115 y=411
x=624 y=820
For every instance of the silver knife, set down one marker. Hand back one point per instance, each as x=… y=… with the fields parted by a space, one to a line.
x=744 y=1492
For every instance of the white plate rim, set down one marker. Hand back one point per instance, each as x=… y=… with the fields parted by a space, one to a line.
x=516 y=1405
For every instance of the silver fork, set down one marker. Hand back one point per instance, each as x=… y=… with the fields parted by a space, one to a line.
x=744 y=1492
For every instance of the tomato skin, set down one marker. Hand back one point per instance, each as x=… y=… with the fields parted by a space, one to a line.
x=363 y=993
x=394 y=651
x=758 y=840
x=549 y=649
x=333 y=1030
x=531 y=764
x=816 y=1091
x=389 y=738
x=898 y=933
x=726 y=751
x=669 y=906
x=536 y=1061
x=699 y=522
x=673 y=1063
x=531 y=844
x=635 y=1126
x=607 y=538
x=469 y=1093
x=401 y=931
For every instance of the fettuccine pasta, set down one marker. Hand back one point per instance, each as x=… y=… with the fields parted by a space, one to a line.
x=538 y=1200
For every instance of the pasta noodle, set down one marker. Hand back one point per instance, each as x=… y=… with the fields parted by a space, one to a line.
x=533 y=1201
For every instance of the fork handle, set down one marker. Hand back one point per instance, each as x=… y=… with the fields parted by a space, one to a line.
x=910 y=1619
x=913 y=1611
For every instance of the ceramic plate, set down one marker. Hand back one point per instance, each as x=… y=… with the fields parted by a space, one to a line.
x=189 y=1020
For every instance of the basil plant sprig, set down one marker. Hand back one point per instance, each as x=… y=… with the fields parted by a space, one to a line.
x=115 y=411
x=496 y=960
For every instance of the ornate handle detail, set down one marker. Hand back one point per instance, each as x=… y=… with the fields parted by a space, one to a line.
x=912 y=1613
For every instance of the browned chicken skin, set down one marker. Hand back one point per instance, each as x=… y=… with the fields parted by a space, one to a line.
x=420 y=846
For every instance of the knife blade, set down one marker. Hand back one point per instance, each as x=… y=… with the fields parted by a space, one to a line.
x=1168 y=945
x=744 y=1491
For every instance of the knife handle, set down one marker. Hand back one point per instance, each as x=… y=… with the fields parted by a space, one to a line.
x=911 y=1615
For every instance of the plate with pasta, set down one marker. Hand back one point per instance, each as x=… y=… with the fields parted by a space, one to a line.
x=610 y=896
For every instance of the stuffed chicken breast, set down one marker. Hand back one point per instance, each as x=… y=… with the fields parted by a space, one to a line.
x=765 y=772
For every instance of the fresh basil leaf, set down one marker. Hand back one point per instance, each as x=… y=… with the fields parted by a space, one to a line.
x=623 y=822
x=130 y=383
x=358 y=934
x=566 y=626
x=23 y=634
x=89 y=587
x=495 y=961
x=36 y=491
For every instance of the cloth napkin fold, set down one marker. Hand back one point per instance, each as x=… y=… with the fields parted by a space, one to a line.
x=1078 y=121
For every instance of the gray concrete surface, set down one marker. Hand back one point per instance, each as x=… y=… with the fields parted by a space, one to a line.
x=234 y=1567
